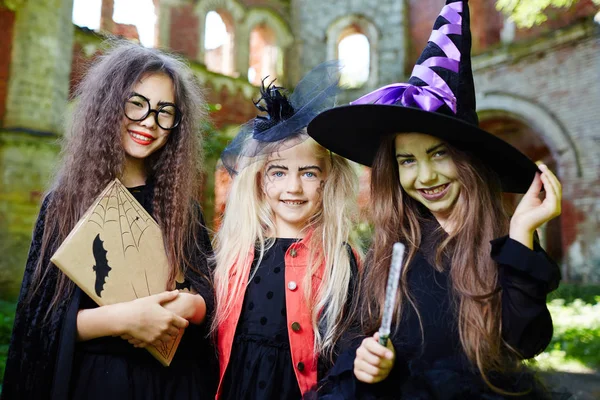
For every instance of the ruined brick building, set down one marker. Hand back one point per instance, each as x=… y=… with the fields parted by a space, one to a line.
x=538 y=89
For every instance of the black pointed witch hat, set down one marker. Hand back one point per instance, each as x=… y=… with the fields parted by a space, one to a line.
x=439 y=100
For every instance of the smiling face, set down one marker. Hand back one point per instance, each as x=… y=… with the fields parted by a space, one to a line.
x=427 y=172
x=293 y=182
x=142 y=138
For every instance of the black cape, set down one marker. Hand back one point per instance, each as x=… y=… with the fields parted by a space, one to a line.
x=40 y=356
x=434 y=366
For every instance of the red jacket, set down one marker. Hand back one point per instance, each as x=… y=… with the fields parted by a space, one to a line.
x=300 y=330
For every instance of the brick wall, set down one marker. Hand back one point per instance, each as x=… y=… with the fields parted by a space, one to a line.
x=40 y=65
x=184 y=31
x=422 y=15
x=311 y=20
x=26 y=164
x=234 y=109
x=7 y=20
x=562 y=84
x=486 y=23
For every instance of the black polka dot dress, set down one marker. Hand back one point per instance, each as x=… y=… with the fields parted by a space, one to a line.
x=261 y=362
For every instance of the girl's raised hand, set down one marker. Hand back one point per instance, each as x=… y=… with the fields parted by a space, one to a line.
x=532 y=212
x=146 y=321
x=374 y=362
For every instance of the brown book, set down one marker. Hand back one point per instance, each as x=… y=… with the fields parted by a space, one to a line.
x=115 y=253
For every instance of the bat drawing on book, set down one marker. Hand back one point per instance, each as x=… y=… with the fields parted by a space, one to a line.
x=101 y=268
x=115 y=253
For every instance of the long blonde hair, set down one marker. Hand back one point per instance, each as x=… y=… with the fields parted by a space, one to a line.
x=248 y=220
x=477 y=218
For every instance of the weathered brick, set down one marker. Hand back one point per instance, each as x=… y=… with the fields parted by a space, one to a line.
x=7 y=20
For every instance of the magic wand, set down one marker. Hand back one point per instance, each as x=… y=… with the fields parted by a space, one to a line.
x=390 y=293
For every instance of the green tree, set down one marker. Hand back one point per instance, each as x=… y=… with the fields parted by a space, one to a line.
x=527 y=13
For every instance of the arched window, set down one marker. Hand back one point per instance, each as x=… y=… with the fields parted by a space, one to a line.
x=265 y=56
x=218 y=42
x=353 y=39
x=354 y=52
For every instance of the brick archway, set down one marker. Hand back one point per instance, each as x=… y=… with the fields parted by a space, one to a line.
x=547 y=126
x=525 y=138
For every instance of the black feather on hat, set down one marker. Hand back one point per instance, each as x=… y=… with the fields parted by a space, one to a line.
x=286 y=117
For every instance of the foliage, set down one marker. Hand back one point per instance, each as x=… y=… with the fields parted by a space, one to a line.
x=7 y=317
x=527 y=13
x=363 y=233
x=214 y=140
x=577 y=330
x=569 y=292
x=575 y=345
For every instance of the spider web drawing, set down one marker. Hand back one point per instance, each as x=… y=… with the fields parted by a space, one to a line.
x=120 y=207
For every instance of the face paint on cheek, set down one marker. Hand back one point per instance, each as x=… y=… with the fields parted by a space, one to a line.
x=268 y=187
x=321 y=188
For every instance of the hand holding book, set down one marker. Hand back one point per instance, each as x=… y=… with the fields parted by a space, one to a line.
x=149 y=322
x=116 y=255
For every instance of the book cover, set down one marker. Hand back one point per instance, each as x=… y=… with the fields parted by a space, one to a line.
x=115 y=253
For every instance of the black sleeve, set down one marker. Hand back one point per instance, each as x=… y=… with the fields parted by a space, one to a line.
x=526 y=276
x=34 y=343
x=201 y=257
x=353 y=330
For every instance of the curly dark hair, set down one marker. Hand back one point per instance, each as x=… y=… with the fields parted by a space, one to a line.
x=95 y=134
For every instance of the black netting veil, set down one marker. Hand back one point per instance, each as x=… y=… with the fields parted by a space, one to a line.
x=285 y=118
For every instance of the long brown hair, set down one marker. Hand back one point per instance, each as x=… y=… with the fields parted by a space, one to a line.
x=93 y=155
x=477 y=218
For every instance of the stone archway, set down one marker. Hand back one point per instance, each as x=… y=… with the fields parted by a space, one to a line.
x=547 y=126
x=261 y=18
x=233 y=12
x=540 y=134
x=525 y=138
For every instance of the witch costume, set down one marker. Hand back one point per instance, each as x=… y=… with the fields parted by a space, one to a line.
x=266 y=345
x=439 y=100
x=45 y=362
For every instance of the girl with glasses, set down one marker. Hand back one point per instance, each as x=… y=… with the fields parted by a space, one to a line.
x=137 y=119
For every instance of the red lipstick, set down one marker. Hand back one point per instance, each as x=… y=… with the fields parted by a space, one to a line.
x=138 y=140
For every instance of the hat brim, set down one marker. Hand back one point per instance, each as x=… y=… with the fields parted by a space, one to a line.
x=356 y=131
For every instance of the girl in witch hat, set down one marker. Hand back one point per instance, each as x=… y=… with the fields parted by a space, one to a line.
x=473 y=287
x=284 y=269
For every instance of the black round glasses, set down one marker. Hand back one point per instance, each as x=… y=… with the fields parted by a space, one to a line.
x=167 y=115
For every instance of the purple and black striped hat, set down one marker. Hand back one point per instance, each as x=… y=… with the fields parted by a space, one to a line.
x=439 y=100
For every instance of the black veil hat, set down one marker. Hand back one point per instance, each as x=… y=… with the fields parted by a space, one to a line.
x=438 y=100
x=283 y=125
